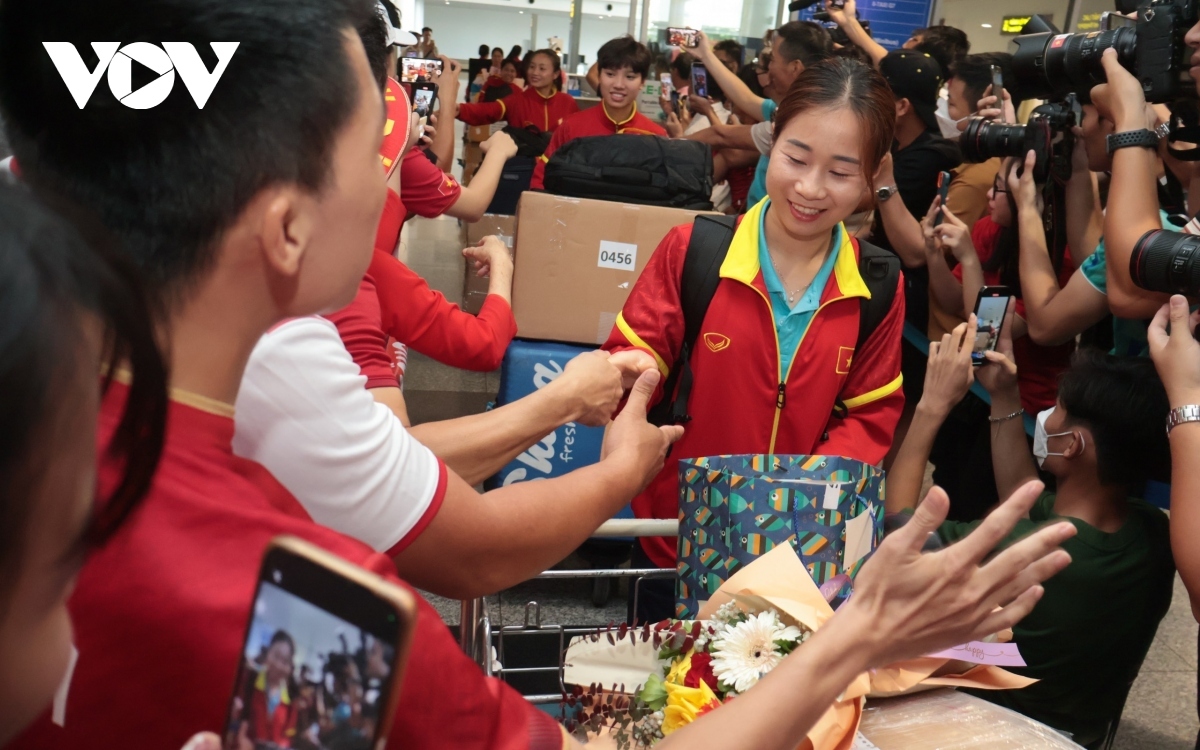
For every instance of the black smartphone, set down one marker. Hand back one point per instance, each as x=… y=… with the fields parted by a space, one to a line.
x=414 y=69
x=675 y=103
x=943 y=190
x=990 y=308
x=699 y=81
x=682 y=37
x=324 y=653
x=998 y=85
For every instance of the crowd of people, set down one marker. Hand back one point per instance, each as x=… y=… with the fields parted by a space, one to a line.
x=206 y=327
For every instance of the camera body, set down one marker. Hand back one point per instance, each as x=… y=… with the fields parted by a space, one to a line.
x=1048 y=134
x=1049 y=65
x=1168 y=262
x=837 y=33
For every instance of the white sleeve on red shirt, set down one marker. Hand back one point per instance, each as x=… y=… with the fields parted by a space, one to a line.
x=304 y=413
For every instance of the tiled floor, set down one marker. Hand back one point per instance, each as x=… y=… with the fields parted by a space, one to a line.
x=1160 y=714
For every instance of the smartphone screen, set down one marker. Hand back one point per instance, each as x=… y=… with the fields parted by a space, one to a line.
x=675 y=103
x=321 y=657
x=699 y=82
x=990 y=309
x=417 y=69
x=998 y=84
x=423 y=98
x=943 y=190
x=665 y=80
x=681 y=37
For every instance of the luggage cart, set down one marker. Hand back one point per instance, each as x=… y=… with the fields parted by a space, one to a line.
x=479 y=637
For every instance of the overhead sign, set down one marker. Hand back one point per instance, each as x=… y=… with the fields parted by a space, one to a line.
x=1012 y=25
x=892 y=21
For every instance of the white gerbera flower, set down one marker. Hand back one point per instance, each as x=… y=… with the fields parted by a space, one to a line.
x=747 y=651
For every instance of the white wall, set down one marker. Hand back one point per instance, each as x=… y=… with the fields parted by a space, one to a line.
x=460 y=28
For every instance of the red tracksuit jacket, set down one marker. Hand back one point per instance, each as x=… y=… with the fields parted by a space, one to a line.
x=524 y=109
x=594 y=121
x=740 y=401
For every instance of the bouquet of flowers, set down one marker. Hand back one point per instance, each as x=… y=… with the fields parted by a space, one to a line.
x=684 y=669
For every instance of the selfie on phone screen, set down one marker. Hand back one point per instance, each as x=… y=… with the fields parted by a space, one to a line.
x=990 y=315
x=419 y=69
x=423 y=102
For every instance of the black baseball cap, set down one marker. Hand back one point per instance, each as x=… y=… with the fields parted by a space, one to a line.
x=917 y=77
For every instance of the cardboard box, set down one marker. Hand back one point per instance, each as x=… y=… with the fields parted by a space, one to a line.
x=478 y=133
x=577 y=260
x=475 y=289
x=528 y=366
x=472 y=157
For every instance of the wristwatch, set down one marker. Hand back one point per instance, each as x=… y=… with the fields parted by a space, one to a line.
x=886 y=192
x=1163 y=130
x=1141 y=138
x=1182 y=415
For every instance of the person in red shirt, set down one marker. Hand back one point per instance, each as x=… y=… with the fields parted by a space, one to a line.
x=624 y=64
x=540 y=108
x=780 y=370
x=267 y=696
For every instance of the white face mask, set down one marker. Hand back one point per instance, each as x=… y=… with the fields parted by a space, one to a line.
x=1041 y=448
x=949 y=127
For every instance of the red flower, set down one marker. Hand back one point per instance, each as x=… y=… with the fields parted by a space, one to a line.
x=701 y=670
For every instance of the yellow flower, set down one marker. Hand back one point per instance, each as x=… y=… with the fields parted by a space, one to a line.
x=685 y=704
x=679 y=669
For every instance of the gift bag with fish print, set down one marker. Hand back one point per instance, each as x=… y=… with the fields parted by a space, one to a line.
x=734 y=508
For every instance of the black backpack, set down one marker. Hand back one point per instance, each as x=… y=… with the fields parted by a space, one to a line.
x=711 y=237
x=530 y=144
x=643 y=169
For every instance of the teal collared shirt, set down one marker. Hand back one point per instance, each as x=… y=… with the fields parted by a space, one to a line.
x=792 y=322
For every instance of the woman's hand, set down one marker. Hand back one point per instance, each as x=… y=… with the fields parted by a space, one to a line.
x=1176 y=353
x=953 y=235
x=999 y=373
x=932 y=246
x=1121 y=100
x=988 y=109
x=949 y=373
x=1023 y=188
x=673 y=126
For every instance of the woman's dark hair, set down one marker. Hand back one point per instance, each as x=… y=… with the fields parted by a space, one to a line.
x=749 y=76
x=840 y=82
x=1122 y=402
x=514 y=64
x=1005 y=258
x=51 y=282
x=555 y=60
x=169 y=181
x=282 y=636
x=682 y=64
x=732 y=48
x=624 y=52
x=497 y=49
x=514 y=53
x=483 y=51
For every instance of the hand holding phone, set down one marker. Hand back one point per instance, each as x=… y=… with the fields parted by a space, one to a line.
x=944 y=179
x=990 y=309
x=330 y=635
x=998 y=84
x=698 y=85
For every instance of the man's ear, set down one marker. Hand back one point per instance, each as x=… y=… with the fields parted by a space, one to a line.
x=903 y=107
x=1081 y=438
x=285 y=229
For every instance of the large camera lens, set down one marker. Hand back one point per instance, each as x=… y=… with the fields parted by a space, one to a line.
x=983 y=140
x=1050 y=66
x=1167 y=262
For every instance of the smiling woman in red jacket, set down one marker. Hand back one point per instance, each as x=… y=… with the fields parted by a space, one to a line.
x=776 y=352
x=540 y=107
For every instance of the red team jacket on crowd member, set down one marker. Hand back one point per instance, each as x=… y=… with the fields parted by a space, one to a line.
x=279 y=726
x=740 y=402
x=160 y=611
x=594 y=121
x=524 y=109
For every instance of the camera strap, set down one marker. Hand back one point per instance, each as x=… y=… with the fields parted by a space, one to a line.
x=1184 y=128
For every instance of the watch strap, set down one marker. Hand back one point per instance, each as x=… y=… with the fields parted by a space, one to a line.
x=1141 y=138
x=886 y=192
x=1182 y=415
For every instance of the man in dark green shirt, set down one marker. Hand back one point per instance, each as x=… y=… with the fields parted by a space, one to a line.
x=1086 y=639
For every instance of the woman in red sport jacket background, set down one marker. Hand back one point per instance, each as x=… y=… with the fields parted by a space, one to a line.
x=541 y=107
x=777 y=350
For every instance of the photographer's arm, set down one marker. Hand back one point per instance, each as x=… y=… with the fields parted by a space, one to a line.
x=903 y=231
x=847 y=20
x=1085 y=216
x=735 y=90
x=443 y=139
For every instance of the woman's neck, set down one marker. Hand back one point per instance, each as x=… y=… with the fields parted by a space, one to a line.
x=546 y=91
x=786 y=244
x=619 y=115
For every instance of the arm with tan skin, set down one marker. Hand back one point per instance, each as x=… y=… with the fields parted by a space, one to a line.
x=1132 y=190
x=1085 y=215
x=477 y=446
x=948 y=377
x=906 y=603
x=393 y=398
x=903 y=231
x=1176 y=355
x=476 y=197
x=513 y=533
x=735 y=90
x=1011 y=460
x=946 y=289
x=1054 y=315
x=443 y=140
x=847 y=21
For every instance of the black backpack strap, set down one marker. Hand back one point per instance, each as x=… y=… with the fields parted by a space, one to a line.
x=711 y=238
x=880 y=270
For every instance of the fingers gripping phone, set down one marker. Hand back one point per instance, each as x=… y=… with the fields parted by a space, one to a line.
x=943 y=190
x=990 y=309
x=998 y=86
x=682 y=37
x=324 y=653
x=699 y=81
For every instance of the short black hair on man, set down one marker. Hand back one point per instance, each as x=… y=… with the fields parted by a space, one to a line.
x=1123 y=402
x=373 y=31
x=682 y=64
x=427 y=28
x=945 y=44
x=624 y=52
x=975 y=71
x=805 y=41
x=497 y=49
x=168 y=181
x=732 y=48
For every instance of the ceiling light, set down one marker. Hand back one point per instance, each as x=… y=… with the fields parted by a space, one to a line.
x=986 y=25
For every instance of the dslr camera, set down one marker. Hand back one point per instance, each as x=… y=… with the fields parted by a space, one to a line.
x=1048 y=134
x=1049 y=65
x=1168 y=262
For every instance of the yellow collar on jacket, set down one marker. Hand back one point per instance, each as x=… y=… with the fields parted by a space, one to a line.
x=260 y=684
x=741 y=263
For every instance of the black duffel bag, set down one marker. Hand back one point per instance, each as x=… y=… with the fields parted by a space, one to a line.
x=643 y=169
